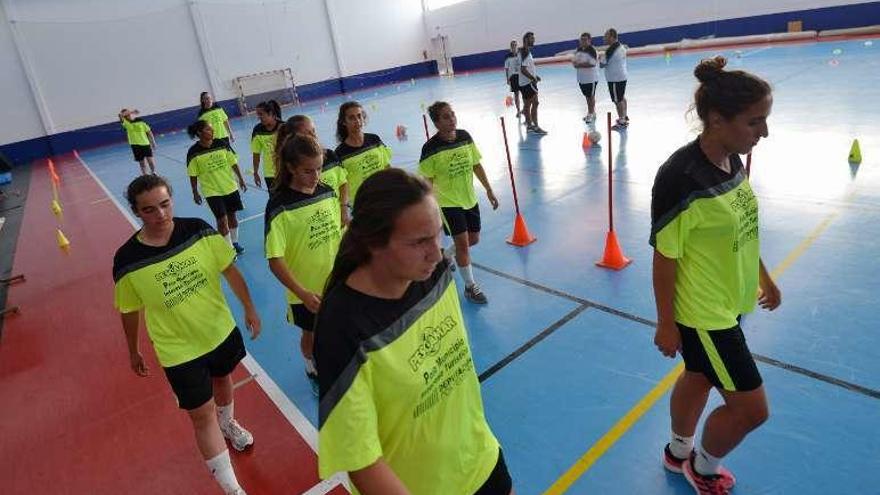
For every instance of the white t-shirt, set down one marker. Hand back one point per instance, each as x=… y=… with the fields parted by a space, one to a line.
x=529 y=64
x=586 y=75
x=511 y=65
x=615 y=68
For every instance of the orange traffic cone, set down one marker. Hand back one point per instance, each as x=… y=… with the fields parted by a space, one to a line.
x=521 y=236
x=613 y=257
x=587 y=142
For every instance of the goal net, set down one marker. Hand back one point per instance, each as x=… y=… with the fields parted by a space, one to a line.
x=275 y=85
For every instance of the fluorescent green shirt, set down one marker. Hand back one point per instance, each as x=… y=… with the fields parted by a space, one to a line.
x=217 y=117
x=136 y=131
x=363 y=161
x=397 y=381
x=178 y=288
x=707 y=221
x=450 y=166
x=263 y=144
x=333 y=174
x=213 y=168
x=305 y=230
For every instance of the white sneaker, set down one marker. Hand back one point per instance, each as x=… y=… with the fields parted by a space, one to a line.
x=237 y=436
x=590 y=118
x=538 y=130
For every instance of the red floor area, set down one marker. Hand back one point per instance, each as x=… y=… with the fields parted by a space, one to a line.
x=73 y=418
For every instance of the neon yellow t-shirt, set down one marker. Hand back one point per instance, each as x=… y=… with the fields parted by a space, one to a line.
x=178 y=288
x=707 y=221
x=263 y=144
x=217 y=117
x=305 y=230
x=363 y=161
x=136 y=131
x=450 y=166
x=213 y=168
x=333 y=173
x=397 y=381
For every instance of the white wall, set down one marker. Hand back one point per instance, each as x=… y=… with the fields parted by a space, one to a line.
x=476 y=26
x=378 y=34
x=21 y=120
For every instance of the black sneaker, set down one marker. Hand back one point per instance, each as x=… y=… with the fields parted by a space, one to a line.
x=475 y=295
x=238 y=248
x=313 y=381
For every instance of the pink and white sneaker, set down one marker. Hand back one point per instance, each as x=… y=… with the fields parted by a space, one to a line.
x=715 y=484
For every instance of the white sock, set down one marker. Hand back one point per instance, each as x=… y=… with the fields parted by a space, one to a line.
x=467 y=275
x=228 y=238
x=310 y=367
x=233 y=234
x=705 y=463
x=221 y=470
x=224 y=414
x=680 y=446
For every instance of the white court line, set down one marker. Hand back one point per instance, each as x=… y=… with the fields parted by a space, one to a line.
x=252 y=217
x=327 y=485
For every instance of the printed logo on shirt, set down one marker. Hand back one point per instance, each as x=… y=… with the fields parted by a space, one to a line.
x=745 y=207
x=432 y=338
x=459 y=164
x=180 y=281
x=321 y=228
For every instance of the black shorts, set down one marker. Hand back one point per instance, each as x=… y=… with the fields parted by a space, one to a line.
x=499 y=482
x=617 y=90
x=589 y=89
x=514 y=83
x=222 y=205
x=458 y=220
x=141 y=151
x=722 y=356
x=300 y=316
x=529 y=91
x=270 y=183
x=192 y=381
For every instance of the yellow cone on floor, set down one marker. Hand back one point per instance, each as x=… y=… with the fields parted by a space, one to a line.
x=63 y=243
x=56 y=208
x=855 y=153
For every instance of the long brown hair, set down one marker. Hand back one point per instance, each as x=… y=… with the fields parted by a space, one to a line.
x=728 y=92
x=379 y=202
x=341 y=130
x=294 y=150
x=286 y=131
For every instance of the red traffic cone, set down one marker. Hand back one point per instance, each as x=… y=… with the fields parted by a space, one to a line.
x=521 y=236
x=613 y=257
x=586 y=142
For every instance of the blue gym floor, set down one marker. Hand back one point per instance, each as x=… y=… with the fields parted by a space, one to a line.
x=565 y=348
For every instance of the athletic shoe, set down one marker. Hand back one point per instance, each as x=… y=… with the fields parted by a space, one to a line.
x=670 y=462
x=237 y=491
x=590 y=118
x=313 y=381
x=237 y=247
x=237 y=436
x=714 y=484
x=538 y=130
x=475 y=295
x=623 y=122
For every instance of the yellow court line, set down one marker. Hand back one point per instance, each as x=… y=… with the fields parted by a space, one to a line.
x=617 y=431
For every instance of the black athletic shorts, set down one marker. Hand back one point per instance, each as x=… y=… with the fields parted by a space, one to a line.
x=141 y=151
x=458 y=220
x=192 y=381
x=529 y=91
x=300 y=316
x=514 y=83
x=221 y=205
x=589 y=89
x=499 y=482
x=270 y=183
x=617 y=90
x=722 y=356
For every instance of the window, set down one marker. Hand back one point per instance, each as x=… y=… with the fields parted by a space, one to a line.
x=439 y=4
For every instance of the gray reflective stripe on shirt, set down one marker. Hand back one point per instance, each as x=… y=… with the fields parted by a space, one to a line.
x=720 y=189
x=137 y=265
x=377 y=342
